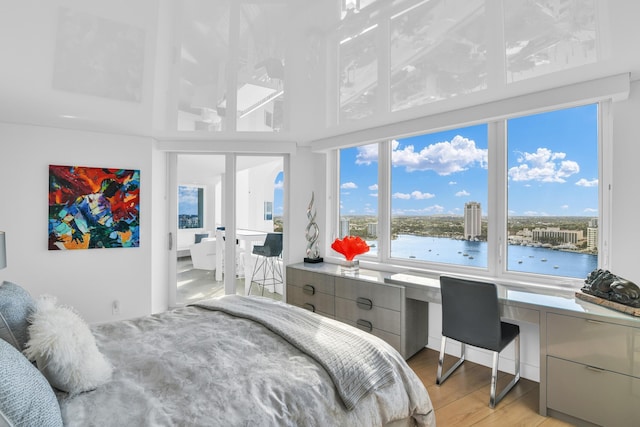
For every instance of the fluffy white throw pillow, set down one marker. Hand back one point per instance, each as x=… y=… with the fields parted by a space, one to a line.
x=64 y=349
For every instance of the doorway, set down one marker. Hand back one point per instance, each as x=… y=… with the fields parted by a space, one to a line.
x=208 y=200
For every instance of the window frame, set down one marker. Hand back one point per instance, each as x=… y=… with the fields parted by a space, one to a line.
x=202 y=201
x=497 y=203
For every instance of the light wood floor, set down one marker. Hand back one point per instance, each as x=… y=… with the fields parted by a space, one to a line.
x=463 y=399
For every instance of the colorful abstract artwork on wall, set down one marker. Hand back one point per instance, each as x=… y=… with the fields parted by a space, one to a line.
x=91 y=208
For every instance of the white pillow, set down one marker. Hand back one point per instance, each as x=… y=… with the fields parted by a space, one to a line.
x=64 y=349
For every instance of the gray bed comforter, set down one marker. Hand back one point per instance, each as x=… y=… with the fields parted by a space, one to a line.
x=196 y=367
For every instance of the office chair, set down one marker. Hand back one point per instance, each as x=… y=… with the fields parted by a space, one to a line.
x=268 y=263
x=471 y=315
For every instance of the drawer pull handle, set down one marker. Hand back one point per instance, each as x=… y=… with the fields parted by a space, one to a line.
x=365 y=325
x=364 y=303
x=594 y=369
x=309 y=289
x=309 y=307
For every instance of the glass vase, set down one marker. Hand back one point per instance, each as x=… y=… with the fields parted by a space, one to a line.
x=350 y=268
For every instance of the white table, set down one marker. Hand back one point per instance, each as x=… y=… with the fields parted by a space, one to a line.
x=246 y=238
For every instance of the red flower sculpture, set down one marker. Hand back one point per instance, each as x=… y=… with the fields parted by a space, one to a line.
x=350 y=246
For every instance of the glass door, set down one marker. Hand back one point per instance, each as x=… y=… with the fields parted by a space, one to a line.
x=259 y=225
x=198 y=256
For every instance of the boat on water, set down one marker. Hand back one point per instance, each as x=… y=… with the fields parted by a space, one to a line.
x=543 y=260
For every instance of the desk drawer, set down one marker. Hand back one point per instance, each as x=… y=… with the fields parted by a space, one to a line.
x=601 y=397
x=600 y=344
x=387 y=296
x=313 y=282
x=379 y=318
x=317 y=302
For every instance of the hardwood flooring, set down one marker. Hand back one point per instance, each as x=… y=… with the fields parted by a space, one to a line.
x=463 y=400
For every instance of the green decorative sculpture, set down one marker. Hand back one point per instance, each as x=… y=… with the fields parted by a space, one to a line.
x=604 y=284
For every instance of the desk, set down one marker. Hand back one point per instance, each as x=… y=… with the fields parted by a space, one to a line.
x=246 y=239
x=589 y=354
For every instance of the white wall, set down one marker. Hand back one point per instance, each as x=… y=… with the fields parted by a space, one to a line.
x=88 y=280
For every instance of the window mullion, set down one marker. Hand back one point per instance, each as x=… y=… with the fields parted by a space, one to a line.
x=605 y=158
x=384 y=200
x=497 y=209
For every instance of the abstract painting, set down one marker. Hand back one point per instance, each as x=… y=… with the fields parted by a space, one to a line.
x=93 y=208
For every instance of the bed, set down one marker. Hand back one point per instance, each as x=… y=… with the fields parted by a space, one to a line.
x=246 y=361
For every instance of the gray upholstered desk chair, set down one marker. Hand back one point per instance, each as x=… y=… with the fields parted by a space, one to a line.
x=471 y=315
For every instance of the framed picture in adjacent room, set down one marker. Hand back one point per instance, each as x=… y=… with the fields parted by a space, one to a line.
x=268 y=211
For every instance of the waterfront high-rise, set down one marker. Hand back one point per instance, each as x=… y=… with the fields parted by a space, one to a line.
x=472 y=220
x=345 y=228
x=592 y=234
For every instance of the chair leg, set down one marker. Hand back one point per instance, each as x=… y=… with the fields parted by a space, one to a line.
x=256 y=267
x=493 y=400
x=440 y=378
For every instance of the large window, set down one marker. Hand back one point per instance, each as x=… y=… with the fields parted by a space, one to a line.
x=553 y=192
x=359 y=194
x=511 y=197
x=439 y=197
x=190 y=206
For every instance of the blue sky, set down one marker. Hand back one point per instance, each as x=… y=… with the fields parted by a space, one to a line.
x=187 y=200
x=552 y=169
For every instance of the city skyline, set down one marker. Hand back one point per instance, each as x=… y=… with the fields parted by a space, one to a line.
x=552 y=169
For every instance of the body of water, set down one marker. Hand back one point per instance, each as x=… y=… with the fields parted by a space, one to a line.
x=520 y=258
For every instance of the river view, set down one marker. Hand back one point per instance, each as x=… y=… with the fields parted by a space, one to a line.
x=520 y=258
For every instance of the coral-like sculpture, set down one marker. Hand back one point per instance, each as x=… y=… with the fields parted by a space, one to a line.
x=604 y=284
x=350 y=246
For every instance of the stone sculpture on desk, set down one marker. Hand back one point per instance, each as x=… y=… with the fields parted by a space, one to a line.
x=606 y=285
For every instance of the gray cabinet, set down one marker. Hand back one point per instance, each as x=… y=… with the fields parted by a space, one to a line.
x=312 y=291
x=371 y=305
x=593 y=370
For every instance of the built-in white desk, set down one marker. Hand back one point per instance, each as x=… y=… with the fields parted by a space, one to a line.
x=246 y=239
x=589 y=354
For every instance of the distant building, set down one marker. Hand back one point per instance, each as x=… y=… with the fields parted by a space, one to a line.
x=554 y=233
x=372 y=229
x=472 y=220
x=345 y=228
x=592 y=234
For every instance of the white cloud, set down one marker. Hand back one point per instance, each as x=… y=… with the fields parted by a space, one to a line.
x=444 y=158
x=402 y=196
x=544 y=165
x=564 y=207
x=367 y=154
x=373 y=194
x=373 y=187
x=452 y=183
x=591 y=210
x=462 y=193
x=349 y=186
x=418 y=195
x=278 y=185
x=586 y=183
